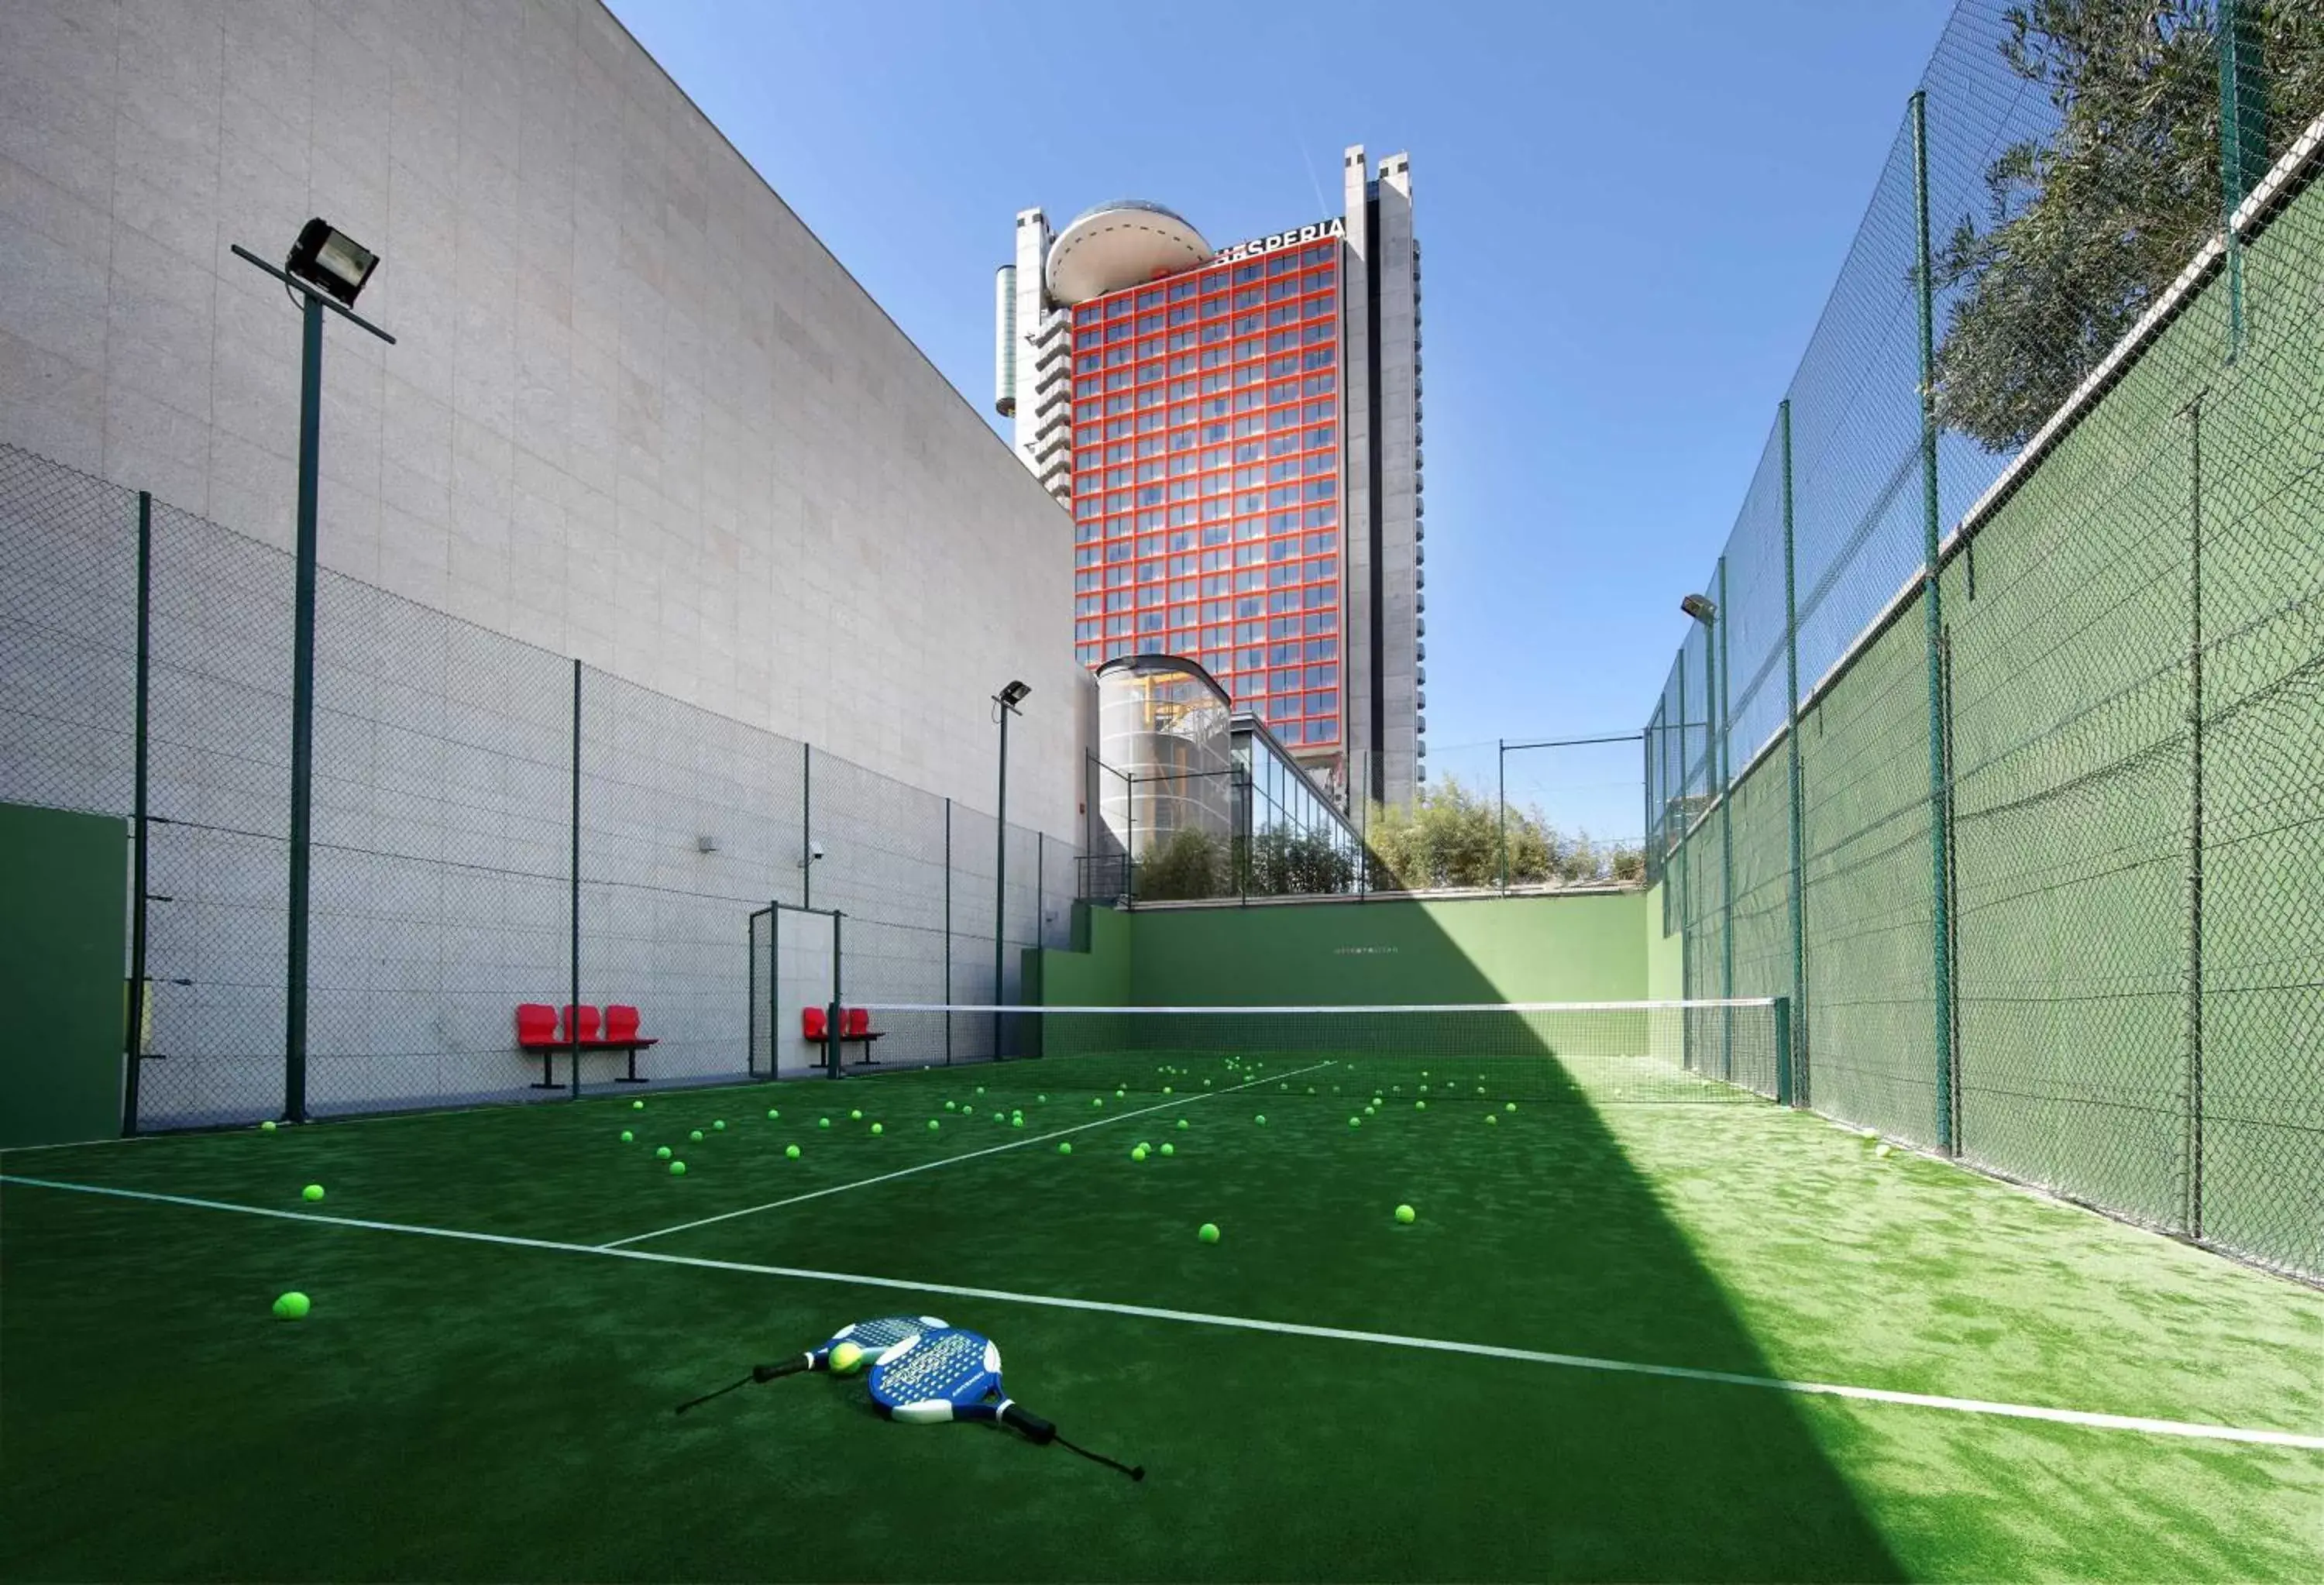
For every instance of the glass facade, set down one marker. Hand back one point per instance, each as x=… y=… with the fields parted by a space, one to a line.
x=1206 y=480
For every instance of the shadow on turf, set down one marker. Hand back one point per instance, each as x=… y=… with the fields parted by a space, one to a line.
x=1625 y=1477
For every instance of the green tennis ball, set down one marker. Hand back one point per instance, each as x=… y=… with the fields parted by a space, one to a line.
x=1481 y=1089
x=1208 y=1233
x=1405 y=1214
x=291 y=1307
x=950 y=1107
x=678 y=1169
x=1139 y=1154
x=1117 y=1094
x=845 y=1360
x=1182 y=1122
x=1097 y=1100
x=856 y=1116
x=1882 y=1151
x=1508 y=1106
x=719 y=1124
x=1168 y=1149
x=1424 y=1089
x=877 y=1129
x=1064 y=1146
x=1311 y=1089
x=998 y=1118
x=267 y=1127
x=627 y=1137
x=662 y=1154
x=980 y=1089
x=1018 y=1121
x=1042 y=1099
x=772 y=1114
x=1395 y=1089
x=1206 y=1083
x=312 y=1191
x=1492 y=1117
x=791 y=1152
x=1371 y=1111
x=1260 y=1120
x=935 y=1126
x=696 y=1136
x=1166 y=1089
x=1423 y=1072
x=1420 y=1106
x=823 y=1122
x=1355 y=1122
x=636 y=1106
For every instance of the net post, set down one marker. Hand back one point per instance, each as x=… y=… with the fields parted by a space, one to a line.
x=830 y=1047
x=1941 y=908
x=774 y=989
x=1786 y=1081
x=750 y=997
x=134 y=1034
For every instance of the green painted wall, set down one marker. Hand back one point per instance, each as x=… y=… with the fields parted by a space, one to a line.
x=1377 y=951
x=1095 y=973
x=1665 y=954
x=63 y=894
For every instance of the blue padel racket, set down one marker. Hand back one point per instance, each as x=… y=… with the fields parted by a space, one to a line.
x=875 y=1338
x=949 y=1373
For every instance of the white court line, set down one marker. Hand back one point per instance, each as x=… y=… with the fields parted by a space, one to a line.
x=887 y=1177
x=1876 y=1395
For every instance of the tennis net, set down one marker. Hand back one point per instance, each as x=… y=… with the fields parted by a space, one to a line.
x=1707 y=1050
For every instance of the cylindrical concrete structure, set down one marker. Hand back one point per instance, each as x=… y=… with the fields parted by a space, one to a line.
x=1005 y=340
x=1162 y=731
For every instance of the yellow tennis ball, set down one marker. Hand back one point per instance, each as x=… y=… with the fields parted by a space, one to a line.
x=846 y=1360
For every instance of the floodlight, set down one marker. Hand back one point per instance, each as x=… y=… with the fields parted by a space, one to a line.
x=1014 y=694
x=331 y=261
x=1700 y=607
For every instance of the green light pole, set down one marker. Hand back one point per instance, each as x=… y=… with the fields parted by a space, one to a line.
x=326 y=270
x=1005 y=705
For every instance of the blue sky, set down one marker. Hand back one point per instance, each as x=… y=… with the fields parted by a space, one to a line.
x=1632 y=216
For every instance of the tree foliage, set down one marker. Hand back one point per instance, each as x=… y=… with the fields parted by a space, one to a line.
x=2085 y=228
x=1448 y=836
x=1189 y=864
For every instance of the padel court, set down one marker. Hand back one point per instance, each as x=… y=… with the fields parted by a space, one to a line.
x=1642 y=1324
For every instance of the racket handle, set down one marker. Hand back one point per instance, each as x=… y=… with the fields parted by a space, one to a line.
x=792 y=1366
x=1030 y=1423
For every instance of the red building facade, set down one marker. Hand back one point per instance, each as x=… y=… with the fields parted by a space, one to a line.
x=1207 y=460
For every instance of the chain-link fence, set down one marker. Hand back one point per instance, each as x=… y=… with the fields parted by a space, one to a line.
x=492 y=825
x=2000 y=746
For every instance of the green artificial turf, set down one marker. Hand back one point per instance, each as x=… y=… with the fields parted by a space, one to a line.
x=464 y=1409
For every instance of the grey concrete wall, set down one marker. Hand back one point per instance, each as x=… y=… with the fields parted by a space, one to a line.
x=1394 y=278
x=636 y=412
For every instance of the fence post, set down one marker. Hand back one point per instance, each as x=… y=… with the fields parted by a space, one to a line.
x=2243 y=142
x=751 y=999
x=1797 y=814
x=134 y=1036
x=2193 y=1211
x=1940 y=901
x=574 y=903
x=1724 y=747
x=807 y=826
x=947 y=930
x=1786 y=1071
x=1501 y=805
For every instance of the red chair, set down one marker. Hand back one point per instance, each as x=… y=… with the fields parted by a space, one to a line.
x=536 y=1024
x=815 y=1025
x=621 y=1024
x=854 y=1023
x=584 y=1017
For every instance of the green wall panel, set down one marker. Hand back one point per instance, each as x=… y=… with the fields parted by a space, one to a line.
x=63 y=896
